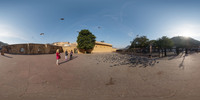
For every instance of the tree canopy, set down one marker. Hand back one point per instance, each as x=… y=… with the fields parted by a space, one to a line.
x=164 y=42
x=140 y=42
x=86 y=40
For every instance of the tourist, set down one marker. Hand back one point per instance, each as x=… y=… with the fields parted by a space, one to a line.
x=71 y=53
x=57 y=56
x=66 y=54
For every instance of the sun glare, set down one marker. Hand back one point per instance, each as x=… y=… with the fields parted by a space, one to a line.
x=186 y=30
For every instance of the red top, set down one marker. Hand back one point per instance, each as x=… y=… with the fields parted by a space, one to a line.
x=57 y=55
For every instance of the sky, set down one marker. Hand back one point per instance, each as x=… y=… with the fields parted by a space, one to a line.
x=114 y=21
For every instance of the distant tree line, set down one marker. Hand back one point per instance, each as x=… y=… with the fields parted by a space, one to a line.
x=164 y=43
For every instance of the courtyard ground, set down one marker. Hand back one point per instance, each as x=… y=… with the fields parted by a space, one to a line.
x=91 y=77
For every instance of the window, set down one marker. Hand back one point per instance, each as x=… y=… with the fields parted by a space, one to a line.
x=21 y=49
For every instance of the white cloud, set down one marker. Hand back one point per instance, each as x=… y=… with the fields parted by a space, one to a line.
x=124 y=7
x=131 y=34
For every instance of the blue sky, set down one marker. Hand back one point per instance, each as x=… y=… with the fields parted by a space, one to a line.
x=22 y=21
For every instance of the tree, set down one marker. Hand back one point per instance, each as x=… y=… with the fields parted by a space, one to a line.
x=164 y=43
x=86 y=40
x=140 y=42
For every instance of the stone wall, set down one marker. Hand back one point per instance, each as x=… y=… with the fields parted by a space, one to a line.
x=31 y=49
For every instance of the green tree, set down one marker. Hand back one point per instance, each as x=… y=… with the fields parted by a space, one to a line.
x=164 y=43
x=86 y=40
x=140 y=42
x=152 y=42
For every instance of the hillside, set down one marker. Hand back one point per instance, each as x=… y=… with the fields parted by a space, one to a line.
x=2 y=44
x=181 y=41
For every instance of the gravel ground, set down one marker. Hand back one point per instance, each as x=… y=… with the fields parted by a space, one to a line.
x=125 y=59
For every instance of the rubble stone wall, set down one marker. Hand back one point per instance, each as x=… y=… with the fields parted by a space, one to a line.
x=31 y=49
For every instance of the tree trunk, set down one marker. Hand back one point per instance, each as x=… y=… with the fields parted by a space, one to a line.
x=159 y=52
x=177 y=51
x=162 y=52
x=165 y=52
x=186 y=50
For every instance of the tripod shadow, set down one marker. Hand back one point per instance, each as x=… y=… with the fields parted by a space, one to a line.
x=181 y=65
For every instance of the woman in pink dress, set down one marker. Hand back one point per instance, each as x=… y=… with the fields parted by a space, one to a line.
x=57 y=56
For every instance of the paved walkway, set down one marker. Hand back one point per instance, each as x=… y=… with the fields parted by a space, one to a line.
x=37 y=77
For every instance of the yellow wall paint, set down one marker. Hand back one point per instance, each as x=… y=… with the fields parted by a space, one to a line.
x=98 y=48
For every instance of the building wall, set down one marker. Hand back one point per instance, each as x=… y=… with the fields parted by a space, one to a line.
x=31 y=49
x=61 y=43
x=67 y=46
x=102 y=48
x=98 y=48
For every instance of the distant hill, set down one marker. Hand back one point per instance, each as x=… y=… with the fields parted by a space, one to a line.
x=2 y=44
x=180 y=40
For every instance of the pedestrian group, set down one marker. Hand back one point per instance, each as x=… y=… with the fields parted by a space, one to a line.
x=66 y=56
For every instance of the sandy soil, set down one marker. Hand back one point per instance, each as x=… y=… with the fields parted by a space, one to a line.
x=99 y=77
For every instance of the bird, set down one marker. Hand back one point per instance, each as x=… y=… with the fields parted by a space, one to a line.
x=41 y=33
x=62 y=19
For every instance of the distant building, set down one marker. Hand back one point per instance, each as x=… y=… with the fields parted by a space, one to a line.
x=98 y=48
x=67 y=46
x=31 y=48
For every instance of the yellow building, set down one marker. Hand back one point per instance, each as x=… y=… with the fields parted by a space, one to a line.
x=103 y=47
x=99 y=47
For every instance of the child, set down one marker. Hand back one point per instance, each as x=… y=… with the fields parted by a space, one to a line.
x=57 y=56
x=71 y=55
x=66 y=54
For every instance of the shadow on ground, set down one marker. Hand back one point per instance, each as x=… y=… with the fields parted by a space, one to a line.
x=73 y=57
x=181 y=65
x=7 y=56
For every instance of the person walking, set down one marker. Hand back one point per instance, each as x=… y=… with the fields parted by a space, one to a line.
x=57 y=56
x=71 y=53
x=66 y=54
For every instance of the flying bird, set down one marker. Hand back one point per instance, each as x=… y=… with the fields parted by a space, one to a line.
x=41 y=33
x=62 y=19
